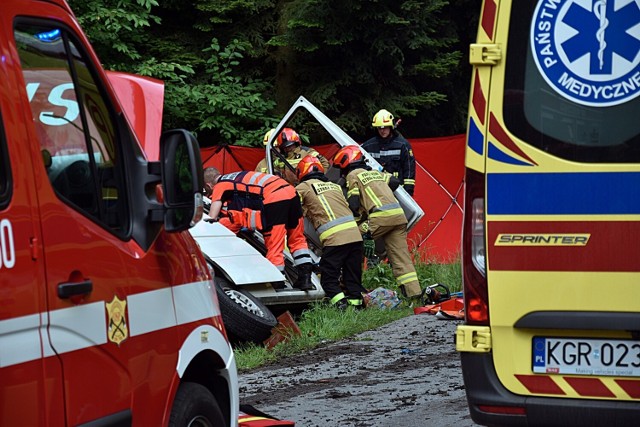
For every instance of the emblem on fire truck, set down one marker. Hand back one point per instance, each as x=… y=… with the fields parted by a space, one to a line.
x=117 y=320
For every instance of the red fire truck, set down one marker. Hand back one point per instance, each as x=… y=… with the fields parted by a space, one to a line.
x=108 y=312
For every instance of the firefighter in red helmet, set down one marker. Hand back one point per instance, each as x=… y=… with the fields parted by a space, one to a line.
x=324 y=205
x=290 y=145
x=371 y=199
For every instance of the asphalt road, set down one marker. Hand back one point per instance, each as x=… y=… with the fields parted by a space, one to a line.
x=404 y=374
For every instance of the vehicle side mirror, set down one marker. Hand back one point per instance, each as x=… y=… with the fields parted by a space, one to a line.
x=182 y=179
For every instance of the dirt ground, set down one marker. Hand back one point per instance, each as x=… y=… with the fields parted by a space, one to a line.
x=404 y=374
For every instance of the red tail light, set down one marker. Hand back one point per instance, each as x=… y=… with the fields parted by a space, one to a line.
x=473 y=251
x=510 y=410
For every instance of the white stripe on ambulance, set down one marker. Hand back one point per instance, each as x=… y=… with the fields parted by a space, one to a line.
x=85 y=326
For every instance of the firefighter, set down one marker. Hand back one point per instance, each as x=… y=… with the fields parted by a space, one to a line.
x=324 y=205
x=269 y=204
x=262 y=165
x=392 y=150
x=290 y=146
x=371 y=199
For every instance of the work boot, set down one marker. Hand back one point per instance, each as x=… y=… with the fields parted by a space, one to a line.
x=342 y=304
x=303 y=282
x=357 y=304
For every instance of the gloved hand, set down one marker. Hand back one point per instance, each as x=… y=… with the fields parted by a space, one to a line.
x=368 y=245
x=278 y=164
x=409 y=189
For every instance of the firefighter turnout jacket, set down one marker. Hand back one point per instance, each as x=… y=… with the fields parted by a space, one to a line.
x=294 y=156
x=395 y=156
x=386 y=221
x=324 y=205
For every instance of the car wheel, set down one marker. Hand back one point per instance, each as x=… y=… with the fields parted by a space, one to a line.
x=195 y=406
x=245 y=317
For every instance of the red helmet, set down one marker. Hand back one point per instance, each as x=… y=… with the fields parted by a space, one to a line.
x=287 y=137
x=346 y=156
x=308 y=165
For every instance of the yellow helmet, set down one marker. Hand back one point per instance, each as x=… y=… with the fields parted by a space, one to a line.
x=267 y=136
x=383 y=119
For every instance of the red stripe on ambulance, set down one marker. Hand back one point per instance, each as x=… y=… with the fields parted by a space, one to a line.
x=592 y=387
x=489 y=17
x=632 y=387
x=539 y=384
x=612 y=246
x=478 y=100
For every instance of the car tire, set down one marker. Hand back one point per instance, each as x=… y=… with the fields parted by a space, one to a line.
x=194 y=405
x=245 y=317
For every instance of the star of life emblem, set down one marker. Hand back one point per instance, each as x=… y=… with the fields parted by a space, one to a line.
x=588 y=51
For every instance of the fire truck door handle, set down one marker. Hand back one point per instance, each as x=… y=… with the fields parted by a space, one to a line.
x=67 y=290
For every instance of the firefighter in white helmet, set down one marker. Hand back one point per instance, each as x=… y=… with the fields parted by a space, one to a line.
x=392 y=150
x=324 y=205
x=371 y=199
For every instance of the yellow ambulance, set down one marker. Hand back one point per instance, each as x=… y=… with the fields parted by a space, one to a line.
x=551 y=237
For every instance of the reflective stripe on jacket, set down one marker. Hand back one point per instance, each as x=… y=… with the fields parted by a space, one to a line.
x=376 y=198
x=323 y=203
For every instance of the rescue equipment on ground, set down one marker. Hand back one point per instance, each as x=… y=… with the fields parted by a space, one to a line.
x=438 y=300
x=435 y=294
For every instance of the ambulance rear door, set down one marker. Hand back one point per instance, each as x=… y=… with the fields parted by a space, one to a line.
x=562 y=198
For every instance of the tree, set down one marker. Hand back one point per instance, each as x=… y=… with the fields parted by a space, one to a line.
x=353 y=58
x=204 y=92
x=233 y=67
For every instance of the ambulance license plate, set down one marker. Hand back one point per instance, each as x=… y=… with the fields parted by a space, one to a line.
x=579 y=356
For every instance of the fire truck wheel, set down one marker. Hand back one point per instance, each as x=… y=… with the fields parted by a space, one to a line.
x=245 y=317
x=194 y=405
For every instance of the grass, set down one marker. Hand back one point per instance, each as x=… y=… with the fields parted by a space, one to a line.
x=322 y=323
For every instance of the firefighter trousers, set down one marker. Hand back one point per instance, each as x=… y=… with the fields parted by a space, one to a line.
x=284 y=221
x=395 y=241
x=346 y=261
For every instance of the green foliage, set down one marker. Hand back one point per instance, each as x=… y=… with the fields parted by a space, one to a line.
x=116 y=28
x=353 y=58
x=229 y=102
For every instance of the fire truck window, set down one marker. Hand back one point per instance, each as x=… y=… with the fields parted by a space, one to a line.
x=73 y=123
